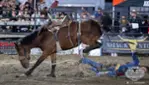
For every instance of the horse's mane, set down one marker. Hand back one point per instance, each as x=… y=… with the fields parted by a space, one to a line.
x=29 y=38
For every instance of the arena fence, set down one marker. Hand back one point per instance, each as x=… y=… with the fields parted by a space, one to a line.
x=111 y=42
x=7 y=42
x=7 y=47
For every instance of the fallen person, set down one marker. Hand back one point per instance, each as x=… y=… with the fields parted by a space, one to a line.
x=116 y=69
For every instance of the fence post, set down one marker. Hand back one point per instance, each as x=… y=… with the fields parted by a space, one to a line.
x=113 y=15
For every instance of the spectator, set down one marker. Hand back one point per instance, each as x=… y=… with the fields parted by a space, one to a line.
x=35 y=16
x=62 y=15
x=98 y=14
x=26 y=14
x=45 y=11
x=84 y=14
x=43 y=18
x=28 y=7
x=13 y=15
x=20 y=15
x=1 y=5
x=5 y=10
x=135 y=22
x=41 y=5
x=57 y=15
x=145 y=24
x=123 y=24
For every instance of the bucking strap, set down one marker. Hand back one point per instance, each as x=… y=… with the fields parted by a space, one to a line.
x=58 y=47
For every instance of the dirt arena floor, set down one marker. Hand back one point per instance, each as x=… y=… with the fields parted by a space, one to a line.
x=67 y=73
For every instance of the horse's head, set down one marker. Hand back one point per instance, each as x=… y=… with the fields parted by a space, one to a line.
x=23 y=54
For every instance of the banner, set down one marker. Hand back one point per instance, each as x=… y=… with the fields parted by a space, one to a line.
x=115 y=44
x=146 y=3
x=7 y=47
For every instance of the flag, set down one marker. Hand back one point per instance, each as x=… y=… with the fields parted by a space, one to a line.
x=116 y=2
x=54 y=4
x=41 y=1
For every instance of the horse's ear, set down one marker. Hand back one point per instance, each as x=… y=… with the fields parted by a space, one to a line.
x=15 y=43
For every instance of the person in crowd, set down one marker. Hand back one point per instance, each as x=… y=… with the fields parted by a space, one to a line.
x=84 y=14
x=145 y=23
x=43 y=18
x=135 y=23
x=36 y=16
x=26 y=14
x=62 y=15
x=45 y=11
x=28 y=6
x=6 y=10
x=123 y=24
x=1 y=5
x=54 y=4
x=13 y=15
x=41 y=5
x=20 y=15
x=98 y=14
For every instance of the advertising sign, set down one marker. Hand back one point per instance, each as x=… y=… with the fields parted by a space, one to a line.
x=120 y=44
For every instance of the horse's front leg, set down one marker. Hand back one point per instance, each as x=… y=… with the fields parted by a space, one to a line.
x=53 y=61
x=38 y=62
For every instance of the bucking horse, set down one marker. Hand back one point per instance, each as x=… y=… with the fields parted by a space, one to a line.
x=67 y=36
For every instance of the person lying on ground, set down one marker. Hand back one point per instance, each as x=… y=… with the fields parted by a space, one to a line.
x=115 y=69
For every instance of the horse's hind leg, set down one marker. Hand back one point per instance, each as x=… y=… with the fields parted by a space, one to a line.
x=38 y=62
x=91 y=47
x=53 y=61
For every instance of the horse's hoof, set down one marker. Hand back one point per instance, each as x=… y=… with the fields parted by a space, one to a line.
x=51 y=75
x=28 y=74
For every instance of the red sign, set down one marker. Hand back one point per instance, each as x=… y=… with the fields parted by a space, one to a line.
x=6 y=44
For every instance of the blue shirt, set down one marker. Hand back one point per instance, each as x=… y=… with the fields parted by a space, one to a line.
x=96 y=14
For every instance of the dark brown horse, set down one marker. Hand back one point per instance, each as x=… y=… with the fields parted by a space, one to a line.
x=46 y=40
